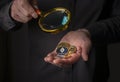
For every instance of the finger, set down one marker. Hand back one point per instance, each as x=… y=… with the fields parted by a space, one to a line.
x=79 y=50
x=50 y=57
x=25 y=8
x=85 y=53
x=15 y=16
x=19 y=19
x=18 y=15
x=67 y=61
x=28 y=10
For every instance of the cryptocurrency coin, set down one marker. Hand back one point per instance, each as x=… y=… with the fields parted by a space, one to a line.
x=62 y=49
x=65 y=49
x=72 y=49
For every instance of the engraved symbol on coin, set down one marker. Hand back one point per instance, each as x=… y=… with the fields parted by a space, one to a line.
x=62 y=49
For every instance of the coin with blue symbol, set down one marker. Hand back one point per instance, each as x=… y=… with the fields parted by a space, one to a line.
x=62 y=49
x=65 y=50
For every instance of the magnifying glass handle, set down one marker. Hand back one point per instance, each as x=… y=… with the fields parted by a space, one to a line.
x=35 y=5
x=37 y=10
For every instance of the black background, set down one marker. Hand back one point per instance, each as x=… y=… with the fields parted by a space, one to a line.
x=114 y=62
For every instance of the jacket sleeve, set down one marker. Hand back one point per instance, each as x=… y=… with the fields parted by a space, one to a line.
x=108 y=29
x=6 y=22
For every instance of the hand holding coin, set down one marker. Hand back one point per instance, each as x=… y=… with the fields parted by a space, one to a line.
x=73 y=46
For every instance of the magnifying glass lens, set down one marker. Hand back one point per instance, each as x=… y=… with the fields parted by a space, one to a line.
x=55 y=20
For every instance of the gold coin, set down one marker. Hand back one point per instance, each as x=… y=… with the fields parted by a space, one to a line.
x=65 y=50
x=72 y=49
x=62 y=49
x=64 y=44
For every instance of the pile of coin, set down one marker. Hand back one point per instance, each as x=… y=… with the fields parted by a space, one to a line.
x=65 y=50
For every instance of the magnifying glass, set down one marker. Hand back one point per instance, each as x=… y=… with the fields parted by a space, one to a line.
x=54 y=20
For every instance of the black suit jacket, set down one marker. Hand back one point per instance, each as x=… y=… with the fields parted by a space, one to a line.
x=27 y=46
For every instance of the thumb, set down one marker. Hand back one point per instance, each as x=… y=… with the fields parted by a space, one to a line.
x=85 y=54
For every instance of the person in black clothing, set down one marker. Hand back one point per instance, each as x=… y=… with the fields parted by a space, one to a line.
x=31 y=52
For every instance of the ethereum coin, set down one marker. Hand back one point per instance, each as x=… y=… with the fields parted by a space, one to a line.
x=65 y=49
x=62 y=49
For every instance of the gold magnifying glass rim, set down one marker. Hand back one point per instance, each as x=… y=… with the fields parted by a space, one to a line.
x=61 y=28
